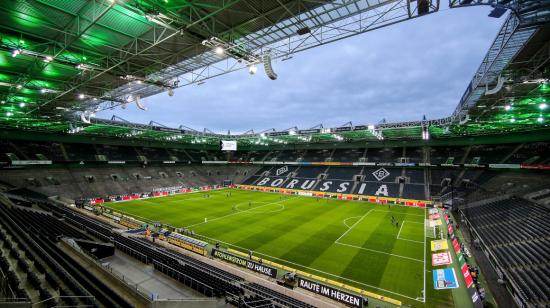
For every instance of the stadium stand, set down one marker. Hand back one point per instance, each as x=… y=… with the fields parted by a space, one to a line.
x=515 y=231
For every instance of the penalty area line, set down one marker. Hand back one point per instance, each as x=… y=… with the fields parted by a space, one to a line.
x=353 y=226
x=381 y=252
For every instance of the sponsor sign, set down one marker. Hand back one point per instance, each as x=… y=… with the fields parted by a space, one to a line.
x=329 y=292
x=467 y=277
x=456 y=245
x=504 y=166
x=277 y=134
x=229 y=145
x=31 y=162
x=116 y=162
x=169 y=162
x=309 y=131
x=342 y=129
x=168 y=129
x=450 y=228
x=441 y=258
x=444 y=279
x=439 y=245
x=243 y=262
x=535 y=166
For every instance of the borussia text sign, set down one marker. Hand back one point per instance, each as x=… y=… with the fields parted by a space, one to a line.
x=332 y=293
x=253 y=266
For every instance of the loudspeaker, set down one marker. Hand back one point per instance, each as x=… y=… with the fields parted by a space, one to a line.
x=268 y=68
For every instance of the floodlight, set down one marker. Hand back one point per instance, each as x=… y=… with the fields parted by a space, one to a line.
x=507 y=107
x=543 y=106
x=81 y=96
x=219 y=50
x=42 y=90
x=15 y=52
x=540 y=119
x=252 y=69
x=48 y=59
x=9 y=113
x=19 y=86
x=512 y=120
x=21 y=104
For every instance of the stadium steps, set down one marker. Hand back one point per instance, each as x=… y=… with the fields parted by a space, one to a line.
x=56 y=276
x=466 y=154
x=514 y=151
x=64 y=152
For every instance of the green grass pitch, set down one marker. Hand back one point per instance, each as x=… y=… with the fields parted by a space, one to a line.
x=348 y=241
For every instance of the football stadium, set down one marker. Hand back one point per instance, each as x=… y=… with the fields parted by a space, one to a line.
x=424 y=211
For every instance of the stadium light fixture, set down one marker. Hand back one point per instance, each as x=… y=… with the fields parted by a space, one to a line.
x=9 y=113
x=19 y=86
x=252 y=69
x=43 y=90
x=22 y=104
x=2 y=102
x=15 y=52
x=81 y=96
x=543 y=106
x=219 y=50
x=540 y=119
x=507 y=107
x=48 y=59
x=513 y=120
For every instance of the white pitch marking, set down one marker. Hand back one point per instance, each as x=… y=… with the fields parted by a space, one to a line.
x=345 y=220
x=424 y=271
x=313 y=269
x=406 y=214
x=381 y=252
x=400 y=228
x=239 y=212
x=352 y=226
x=404 y=239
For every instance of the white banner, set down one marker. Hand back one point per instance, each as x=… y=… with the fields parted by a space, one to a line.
x=229 y=145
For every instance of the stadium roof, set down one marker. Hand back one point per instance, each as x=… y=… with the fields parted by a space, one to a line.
x=61 y=58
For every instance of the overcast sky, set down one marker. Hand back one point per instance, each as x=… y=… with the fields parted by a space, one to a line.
x=399 y=73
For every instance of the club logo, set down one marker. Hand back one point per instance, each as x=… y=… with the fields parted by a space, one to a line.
x=381 y=174
x=281 y=170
